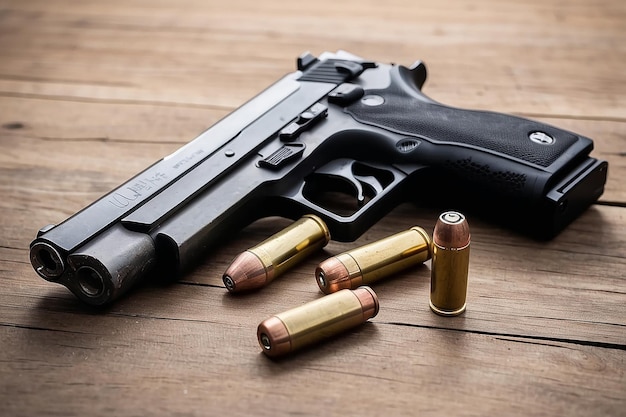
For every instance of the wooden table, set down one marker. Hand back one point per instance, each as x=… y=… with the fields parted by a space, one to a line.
x=92 y=92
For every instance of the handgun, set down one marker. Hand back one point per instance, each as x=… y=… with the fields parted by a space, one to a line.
x=339 y=125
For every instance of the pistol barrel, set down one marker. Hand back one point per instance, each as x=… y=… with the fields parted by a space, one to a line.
x=101 y=270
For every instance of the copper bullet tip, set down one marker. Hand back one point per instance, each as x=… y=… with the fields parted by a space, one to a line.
x=332 y=275
x=369 y=301
x=451 y=231
x=274 y=337
x=246 y=272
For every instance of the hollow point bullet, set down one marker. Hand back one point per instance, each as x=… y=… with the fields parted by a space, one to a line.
x=311 y=322
x=258 y=266
x=450 y=264
x=369 y=263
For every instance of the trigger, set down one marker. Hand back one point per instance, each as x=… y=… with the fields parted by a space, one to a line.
x=343 y=168
x=369 y=180
x=358 y=175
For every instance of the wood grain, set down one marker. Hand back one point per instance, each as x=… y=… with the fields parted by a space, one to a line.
x=92 y=92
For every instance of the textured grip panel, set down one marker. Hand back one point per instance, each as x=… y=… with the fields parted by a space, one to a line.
x=401 y=112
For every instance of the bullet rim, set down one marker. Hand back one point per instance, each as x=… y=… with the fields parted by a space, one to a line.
x=322 y=225
x=427 y=239
x=447 y=313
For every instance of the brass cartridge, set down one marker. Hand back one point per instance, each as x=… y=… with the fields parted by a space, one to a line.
x=316 y=320
x=450 y=264
x=258 y=266
x=369 y=263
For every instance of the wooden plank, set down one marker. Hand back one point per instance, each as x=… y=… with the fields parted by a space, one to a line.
x=190 y=51
x=134 y=370
x=508 y=325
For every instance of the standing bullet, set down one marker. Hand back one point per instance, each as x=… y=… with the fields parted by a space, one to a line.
x=450 y=264
x=258 y=266
x=374 y=261
x=316 y=320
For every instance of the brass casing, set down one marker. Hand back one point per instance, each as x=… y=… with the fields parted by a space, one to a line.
x=371 y=262
x=262 y=263
x=316 y=320
x=286 y=248
x=450 y=265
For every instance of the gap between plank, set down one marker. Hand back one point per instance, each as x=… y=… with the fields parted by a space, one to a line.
x=529 y=339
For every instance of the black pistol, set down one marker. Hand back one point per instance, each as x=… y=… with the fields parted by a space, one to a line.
x=339 y=124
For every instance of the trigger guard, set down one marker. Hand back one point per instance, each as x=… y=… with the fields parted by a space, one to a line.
x=386 y=186
x=344 y=170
